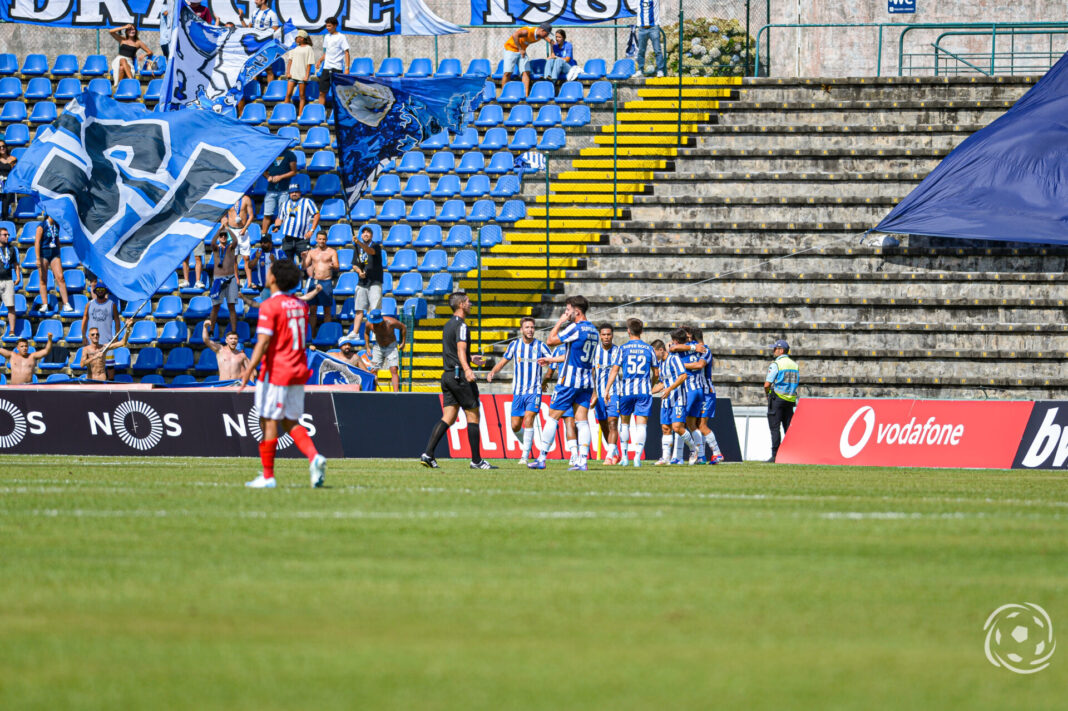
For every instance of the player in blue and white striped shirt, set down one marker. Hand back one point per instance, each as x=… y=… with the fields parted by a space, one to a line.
x=570 y=432
x=575 y=387
x=704 y=434
x=605 y=402
x=667 y=435
x=527 y=381
x=687 y=393
x=632 y=378
x=298 y=218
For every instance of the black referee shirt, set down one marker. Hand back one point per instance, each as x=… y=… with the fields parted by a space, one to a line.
x=455 y=331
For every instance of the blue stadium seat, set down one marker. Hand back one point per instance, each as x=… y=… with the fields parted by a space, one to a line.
x=345 y=255
x=524 y=139
x=464 y=261
x=429 y=236
x=507 y=186
x=489 y=116
x=332 y=210
x=99 y=86
x=199 y=307
x=482 y=211
x=74 y=334
x=27 y=208
x=303 y=181
x=38 y=89
x=48 y=326
x=388 y=185
x=478 y=68
x=77 y=302
x=512 y=211
x=17 y=135
x=520 y=115
x=622 y=70
x=327 y=335
x=419 y=68
x=184 y=379
x=96 y=65
x=399 y=236
x=290 y=132
x=13 y=111
x=152 y=91
x=347 y=312
x=417 y=186
x=67 y=89
x=389 y=306
x=147 y=360
x=435 y=260
x=179 y=360
x=9 y=64
x=314 y=114
x=599 y=93
x=542 y=92
x=548 y=116
x=577 y=116
x=477 y=186
x=339 y=236
x=153 y=66
x=56 y=377
x=453 y=211
x=442 y=162
x=536 y=67
x=593 y=70
x=416 y=308
x=439 y=285
x=282 y=114
x=363 y=210
x=34 y=282
x=327 y=186
x=498 y=73
x=471 y=162
x=494 y=139
x=362 y=67
x=21 y=330
x=490 y=235
x=128 y=90
x=253 y=114
x=390 y=67
x=253 y=92
x=346 y=284
x=66 y=65
x=10 y=88
x=318 y=137
x=74 y=279
x=501 y=162
x=447 y=186
x=322 y=162
x=175 y=333
x=276 y=92
x=422 y=211
x=552 y=140
x=412 y=162
x=404 y=260
x=143 y=333
x=392 y=211
x=449 y=68
x=435 y=142
x=34 y=65
x=409 y=284
x=131 y=309
x=570 y=93
x=169 y=285
x=207 y=362
x=465 y=140
x=43 y=112
x=512 y=93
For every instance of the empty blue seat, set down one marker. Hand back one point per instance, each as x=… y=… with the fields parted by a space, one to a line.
x=489 y=116
x=392 y=211
x=599 y=93
x=471 y=162
x=404 y=260
x=464 y=261
x=459 y=236
x=447 y=186
x=422 y=211
x=128 y=90
x=512 y=93
x=96 y=65
x=390 y=67
x=512 y=211
x=327 y=185
x=122 y=362
x=416 y=308
x=442 y=162
x=10 y=88
x=363 y=210
x=388 y=185
x=412 y=162
x=478 y=68
x=429 y=236
x=362 y=67
x=417 y=186
x=13 y=111
x=465 y=140
x=327 y=335
x=318 y=137
x=541 y=93
x=346 y=285
x=199 y=307
x=622 y=70
x=498 y=73
x=570 y=93
x=51 y=326
x=494 y=139
x=179 y=360
x=99 y=86
x=290 y=132
x=520 y=115
x=409 y=284
x=477 y=186
x=548 y=115
x=38 y=89
x=74 y=279
x=253 y=114
x=276 y=91
x=56 y=377
x=9 y=64
x=435 y=260
x=313 y=114
x=207 y=362
x=344 y=256
x=175 y=333
x=490 y=235
x=439 y=285
x=43 y=112
x=282 y=114
x=184 y=379
x=322 y=162
x=74 y=335
x=169 y=285
x=507 y=186
x=536 y=67
x=552 y=140
x=453 y=211
x=35 y=65
x=399 y=236
x=17 y=135
x=435 y=142
x=148 y=360
x=332 y=210
x=143 y=333
x=67 y=89
x=593 y=69
x=449 y=68
x=524 y=139
x=577 y=116
x=482 y=211
x=66 y=65
x=419 y=68
x=501 y=162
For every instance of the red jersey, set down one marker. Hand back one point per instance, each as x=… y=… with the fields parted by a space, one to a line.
x=284 y=318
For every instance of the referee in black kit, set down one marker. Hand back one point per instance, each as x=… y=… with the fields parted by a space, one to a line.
x=457 y=385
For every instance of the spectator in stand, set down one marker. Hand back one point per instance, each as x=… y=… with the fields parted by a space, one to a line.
x=198 y=267
x=515 y=52
x=231 y=359
x=360 y=359
x=102 y=314
x=125 y=64
x=298 y=218
x=46 y=244
x=201 y=11
x=7 y=164
x=264 y=18
x=322 y=266
x=166 y=8
x=278 y=175
x=22 y=362
x=335 y=57
x=224 y=288
x=558 y=65
x=386 y=351
x=98 y=360
x=260 y=260
x=298 y=68
x=237 y=221
x=369 y=264
x=647 y=22
x=10 y=274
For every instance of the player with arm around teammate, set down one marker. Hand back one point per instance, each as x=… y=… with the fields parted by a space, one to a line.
x=688 y=386
x=527 y=379
x=632 y=377
x=570 y=432
x=605 y=403
x=280 y=334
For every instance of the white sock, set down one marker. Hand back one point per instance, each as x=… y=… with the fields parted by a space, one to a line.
x=611 y=450
x=698 y=443
x=637 y=442
x=548 y=436
x=624 y=438
x=710 y=440
x=665 y=446
x=583 y=428
x=528 y=441
x=572 y=447
x=678 y=448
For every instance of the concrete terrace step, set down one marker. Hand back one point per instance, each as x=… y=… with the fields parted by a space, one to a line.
x=859 y=88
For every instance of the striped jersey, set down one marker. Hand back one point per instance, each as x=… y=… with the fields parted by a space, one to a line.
x=695 y=379
x=648 y=13
x=526 y=374
x=637 y=361
x=581 y=341
x=670 y=370
x=264 y=19
x=296 y=216
x=603 y=363
x=709 y=387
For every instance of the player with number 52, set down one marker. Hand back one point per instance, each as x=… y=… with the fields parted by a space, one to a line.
x=574 y=389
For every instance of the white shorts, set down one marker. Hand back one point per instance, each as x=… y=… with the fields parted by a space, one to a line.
x=244 y=245
x=385 y=357
x=279 y=402
x=7 y=293
x=368 y=297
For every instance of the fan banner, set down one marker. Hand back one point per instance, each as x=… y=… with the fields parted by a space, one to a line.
x=529 y=12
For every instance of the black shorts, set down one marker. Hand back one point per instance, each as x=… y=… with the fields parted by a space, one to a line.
x=457 y=391
x=324 y=80
x=48 y=254
x=293 y=246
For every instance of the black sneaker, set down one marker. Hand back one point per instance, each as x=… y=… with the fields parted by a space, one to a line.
x=429 y=462
x=481 y=465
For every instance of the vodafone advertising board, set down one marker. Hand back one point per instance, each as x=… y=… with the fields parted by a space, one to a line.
x=906 y=433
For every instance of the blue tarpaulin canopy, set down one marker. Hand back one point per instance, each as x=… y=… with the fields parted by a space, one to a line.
x=1008 y=181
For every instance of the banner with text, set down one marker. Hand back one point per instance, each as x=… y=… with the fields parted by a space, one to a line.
x=1044 y=444
x=531 y=12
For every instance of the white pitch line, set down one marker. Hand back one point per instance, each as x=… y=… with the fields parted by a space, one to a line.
x=328 y=515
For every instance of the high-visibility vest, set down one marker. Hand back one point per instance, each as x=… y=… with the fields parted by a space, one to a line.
x=786 y=379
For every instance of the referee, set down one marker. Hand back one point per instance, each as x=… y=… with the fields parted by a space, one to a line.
x=457 y=386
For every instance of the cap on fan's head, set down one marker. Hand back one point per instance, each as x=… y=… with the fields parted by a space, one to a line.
x=547 y=27
x=781 y=344
x=303 y=34
x=294 y=187
x=100 y=287
x=374 y=316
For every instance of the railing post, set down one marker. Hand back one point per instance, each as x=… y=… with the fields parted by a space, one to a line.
x=436 y=60
x=547 y=241
x=615 y=151
x=993 y=44
x=746 y=38
x=478 y=262
x=679 y=107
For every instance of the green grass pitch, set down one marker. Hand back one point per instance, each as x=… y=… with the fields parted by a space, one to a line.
x=165 y=584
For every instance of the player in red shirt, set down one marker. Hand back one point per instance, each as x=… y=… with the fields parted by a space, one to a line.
x=280 y=390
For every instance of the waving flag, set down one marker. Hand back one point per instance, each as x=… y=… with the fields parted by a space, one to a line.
x=331 y=371
x=210 y=66
x=137 y=190
x=378 y=119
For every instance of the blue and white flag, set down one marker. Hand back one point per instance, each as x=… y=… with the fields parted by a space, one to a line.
x=378 y=119
x=209 y=66
x=331 y=371
x=529 y=162
x=536 y=12
x=137 y=190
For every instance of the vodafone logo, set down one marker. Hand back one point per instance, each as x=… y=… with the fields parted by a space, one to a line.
x=911 y=433
x=848 y=449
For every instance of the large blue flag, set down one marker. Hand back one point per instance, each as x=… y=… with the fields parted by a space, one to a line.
x=1008 y=181
x=331 y=371
x=137 y=190
x=378 y=119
